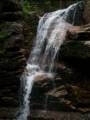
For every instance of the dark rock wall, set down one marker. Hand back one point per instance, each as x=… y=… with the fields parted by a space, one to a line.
x=69 y=92
x=12 y=56
x=16 y=34
x=72 y=81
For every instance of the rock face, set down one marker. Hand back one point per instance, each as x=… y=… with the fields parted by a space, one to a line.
x=16 y=36
x=69 y=91
x=62 y=98
x=12 y=62
x=86 y=12
x=10 y=10
x=12 y=57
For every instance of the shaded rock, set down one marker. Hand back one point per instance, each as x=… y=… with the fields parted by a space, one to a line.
x=10 y=5
x=69 y=90
x=79 y=33
x=58 y=92
x=53 y=115
x=81 y=95
x=79 y=37
x=12 y=63
x=10 y=10
x=86 y=13
x=74 y=49
x=11 y=16
x=77 y=12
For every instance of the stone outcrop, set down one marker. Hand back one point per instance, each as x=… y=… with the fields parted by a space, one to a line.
x=69 y=91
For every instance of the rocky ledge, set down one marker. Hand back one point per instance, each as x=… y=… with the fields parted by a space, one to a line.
x=68 y=94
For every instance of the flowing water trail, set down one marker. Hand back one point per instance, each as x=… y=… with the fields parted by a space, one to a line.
x=51 y=33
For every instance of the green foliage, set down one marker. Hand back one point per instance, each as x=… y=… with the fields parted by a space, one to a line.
x=29 y=8
x=26 y=7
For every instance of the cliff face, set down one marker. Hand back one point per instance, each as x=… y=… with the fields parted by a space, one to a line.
x=12 y=60
x=70 y=90
x=16 y=34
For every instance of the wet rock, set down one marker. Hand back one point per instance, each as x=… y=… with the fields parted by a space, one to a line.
x=7 y=113
x=76 y=12
x=78 y=39
x=74 y=49
x=69 y=90
x=79 y=33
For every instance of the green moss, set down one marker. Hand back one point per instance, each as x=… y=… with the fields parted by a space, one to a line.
x=26 y=7
x=29 y=8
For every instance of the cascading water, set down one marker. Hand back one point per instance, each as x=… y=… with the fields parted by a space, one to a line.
x=51 y=33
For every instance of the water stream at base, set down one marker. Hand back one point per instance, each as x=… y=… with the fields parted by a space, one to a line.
x=51 y=33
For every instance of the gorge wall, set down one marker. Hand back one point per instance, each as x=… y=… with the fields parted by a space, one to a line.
x=72 y=91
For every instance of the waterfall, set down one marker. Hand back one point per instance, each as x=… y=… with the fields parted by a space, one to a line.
x=51 y=33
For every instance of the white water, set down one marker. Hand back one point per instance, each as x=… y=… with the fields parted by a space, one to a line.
x=51 y=34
